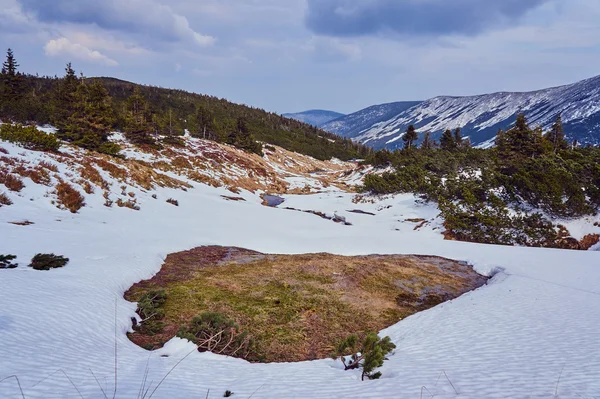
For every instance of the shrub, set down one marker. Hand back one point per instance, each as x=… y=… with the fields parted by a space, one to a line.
x=12 y=182
x=4 y=200
x=369 y=356
x=150 y=309
x=131 y=204
x=6 y=262
x=109 y=148
x=29 y=137
x=48 y=261
x=173 y=201
x=217 y=333
x=69 y=197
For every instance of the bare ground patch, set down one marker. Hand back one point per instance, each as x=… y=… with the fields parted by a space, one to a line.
x=298 y=307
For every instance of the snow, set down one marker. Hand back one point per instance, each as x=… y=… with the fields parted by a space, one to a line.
x=534 y=325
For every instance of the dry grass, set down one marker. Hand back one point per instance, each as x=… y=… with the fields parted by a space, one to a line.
x=12 y=182
x=3 y=150
x=69 y=197
x=49 y=166
x=297 y=307
x=131 y=204
x=116 y=172
x=4 y=200
x=37 y=174
x=91 y=174
x=181 y=163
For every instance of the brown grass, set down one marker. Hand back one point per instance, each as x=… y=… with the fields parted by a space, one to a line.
x=38 y=174
x=131 y=204
x=3 y=150
x=69 y=197
x=12 y=182
x=298 y=307
x=4 y=200
x=91 y=174
x=115 y=171
x=181 y=163
x=49 y=166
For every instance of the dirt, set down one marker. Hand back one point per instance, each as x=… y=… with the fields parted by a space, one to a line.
x=298 y=307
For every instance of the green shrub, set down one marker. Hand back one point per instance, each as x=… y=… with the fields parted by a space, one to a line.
x=30 y=137
x=150 y=309
x=48 y=261
x=368 y=355
x=6 y=262
x=109 y=148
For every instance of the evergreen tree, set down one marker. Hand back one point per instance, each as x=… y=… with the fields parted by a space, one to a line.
x=90 y=123
x=243 y=138
x=458 y=138
x=64 y=101
x=410 y=137
x=447 y=141
x=12 y=90
x=138 y=120
x=427 y=143
x=556 y=136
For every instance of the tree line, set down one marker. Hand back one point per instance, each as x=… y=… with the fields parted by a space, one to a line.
x=86 y=110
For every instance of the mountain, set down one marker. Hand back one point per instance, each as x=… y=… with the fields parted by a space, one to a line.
x=480 y=117
x=315 y=117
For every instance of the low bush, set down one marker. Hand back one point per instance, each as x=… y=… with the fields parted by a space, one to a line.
x=109 y=148
x=150 y=309
x=368 y=354
x=48 y=261
x=131 y=204
x=5 y=200
x=6 y=262
x=173 y=201
x=30 y=137
x=69 y=197
x=12 y=182
x=217 y=333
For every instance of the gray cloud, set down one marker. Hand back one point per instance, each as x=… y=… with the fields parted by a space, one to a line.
x=421 y=18
x=145 y=17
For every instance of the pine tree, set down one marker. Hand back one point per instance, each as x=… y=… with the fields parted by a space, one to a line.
x=64 y=100
x=556 y=136
x=90 y=123
x=410 y=137
x=427 y=143
x=138 y=120
x=458 y=138
x=12 y=90
x=447 y=141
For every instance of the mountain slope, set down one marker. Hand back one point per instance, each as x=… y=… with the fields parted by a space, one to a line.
x=315 y=117
x=352 y=125
x=482 y=116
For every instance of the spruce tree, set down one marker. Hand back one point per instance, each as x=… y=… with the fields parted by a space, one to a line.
x=458 y=138
x=427 y=143
x=556 y=136
x=138 y=120
x=410 y=137
x=12 y=90
x=65 y=100
x=447 y=141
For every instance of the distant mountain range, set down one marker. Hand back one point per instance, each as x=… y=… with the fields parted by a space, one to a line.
x=315 y=117
x=479 y=117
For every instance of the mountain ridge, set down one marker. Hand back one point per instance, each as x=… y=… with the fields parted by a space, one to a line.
x=481 y=116
x=315 y=117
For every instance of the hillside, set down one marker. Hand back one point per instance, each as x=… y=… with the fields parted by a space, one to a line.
x=480 y=117
x=170 y=112
x=64 y=331
x=315 y=117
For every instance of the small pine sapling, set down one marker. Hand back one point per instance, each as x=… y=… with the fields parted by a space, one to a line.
x=48 y=261
x=369 y=356
x=6 y=262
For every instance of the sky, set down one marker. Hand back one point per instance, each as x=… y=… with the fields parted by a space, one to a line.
x=293 y=55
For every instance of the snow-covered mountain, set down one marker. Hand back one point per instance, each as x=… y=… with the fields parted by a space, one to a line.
x=480 y=116
x=315 y=117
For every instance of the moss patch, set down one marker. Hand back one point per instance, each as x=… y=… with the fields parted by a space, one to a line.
x=298 y=307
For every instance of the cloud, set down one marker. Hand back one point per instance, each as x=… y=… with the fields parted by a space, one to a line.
x=416 y=18
x=325 y=49
x=144 y=17
x=64 y=47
